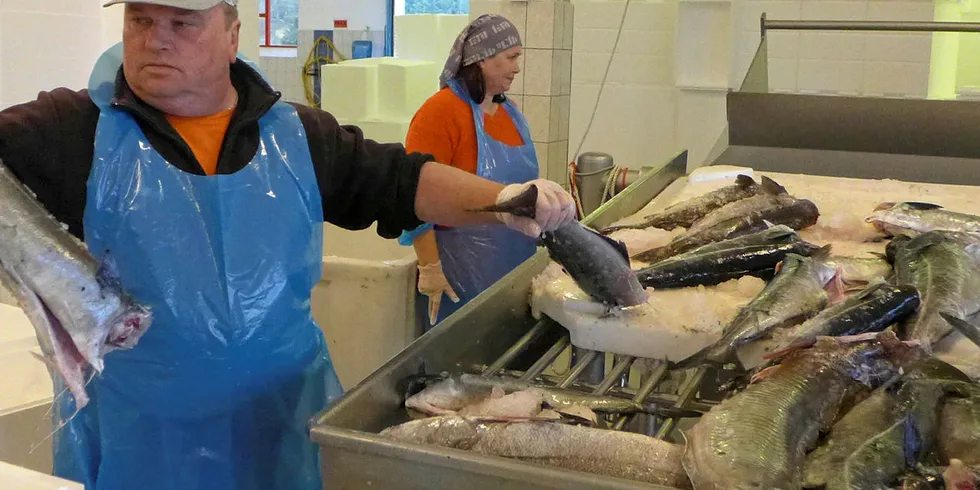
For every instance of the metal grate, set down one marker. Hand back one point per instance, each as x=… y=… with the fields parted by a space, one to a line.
x=588 y=374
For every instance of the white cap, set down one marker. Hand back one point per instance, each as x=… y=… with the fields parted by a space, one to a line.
x=181 y=4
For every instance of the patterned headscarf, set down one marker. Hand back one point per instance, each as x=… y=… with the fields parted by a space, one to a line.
x=486 y=36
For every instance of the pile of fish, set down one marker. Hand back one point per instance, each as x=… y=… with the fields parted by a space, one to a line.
x=865 y=412
x=848 y=395
x=76 y=304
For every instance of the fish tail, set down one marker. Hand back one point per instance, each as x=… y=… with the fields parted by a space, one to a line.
x=522 y=205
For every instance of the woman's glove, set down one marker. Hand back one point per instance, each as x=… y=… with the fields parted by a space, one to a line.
x=433 y=283
x=555 y=207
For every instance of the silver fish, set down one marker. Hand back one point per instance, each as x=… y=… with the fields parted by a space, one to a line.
x=597 y=263
x=684 y=214
x=602 y=452
x=873 y=309
x=947 y=278
x=758 y=438
x=959 y=429
x=447 y=394
x=77 y=305
x=748 y=215
x=795 y=294
x=894 y=219
x=756 y=254
x=877 y=440
x=856 y=270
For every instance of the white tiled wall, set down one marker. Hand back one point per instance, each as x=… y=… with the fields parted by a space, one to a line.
x=285 y=76
x=676 y=58
x=864 y=63
x=34 y=58
x=636 y=117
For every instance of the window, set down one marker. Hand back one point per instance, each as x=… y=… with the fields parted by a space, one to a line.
x=278 y=23
x=403 y=7
x=407 y=7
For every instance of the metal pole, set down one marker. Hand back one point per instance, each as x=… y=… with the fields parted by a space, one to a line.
x=861 y=25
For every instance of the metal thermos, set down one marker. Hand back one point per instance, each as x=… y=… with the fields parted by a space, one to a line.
x=590 y=177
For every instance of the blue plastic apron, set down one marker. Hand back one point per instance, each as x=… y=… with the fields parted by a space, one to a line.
x=475 y=257
x=219 y=391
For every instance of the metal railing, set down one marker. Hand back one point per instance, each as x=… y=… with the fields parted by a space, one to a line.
x=865 y=25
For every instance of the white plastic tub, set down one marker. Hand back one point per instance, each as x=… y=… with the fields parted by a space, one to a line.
x=25 y=395
x=365 y=303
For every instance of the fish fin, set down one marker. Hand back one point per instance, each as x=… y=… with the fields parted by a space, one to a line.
x=64 y=423
x=523 y=205
x=879 y=255
x=106 y=274
x=764 y=373
x=743 y=180
x=772 y=187
x=822 y=253
x=922 y=206
x=796 y=345
x=616 y=244
x=835 y=288
x=497 y=392
x=913 y=442
x=968 y=329
x=579 y=412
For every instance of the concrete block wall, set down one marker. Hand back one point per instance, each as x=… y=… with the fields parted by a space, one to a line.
x=285 y=75
x=543 y=88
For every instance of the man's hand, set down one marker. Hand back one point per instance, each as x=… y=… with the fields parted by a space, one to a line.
x=433 y=283
x=555 y=207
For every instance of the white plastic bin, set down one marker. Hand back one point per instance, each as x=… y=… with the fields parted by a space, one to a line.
x=25 y=394
x=365 y=303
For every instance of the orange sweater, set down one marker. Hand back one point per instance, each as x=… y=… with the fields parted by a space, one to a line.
x=204 y=135
x=443 y=127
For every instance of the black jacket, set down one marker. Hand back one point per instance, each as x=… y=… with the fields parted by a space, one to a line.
x=49 y=143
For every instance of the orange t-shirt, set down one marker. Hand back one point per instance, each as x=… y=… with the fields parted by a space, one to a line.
x=443 y=127
x=204 y=135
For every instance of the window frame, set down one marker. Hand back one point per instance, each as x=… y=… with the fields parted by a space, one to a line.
x=266 y=24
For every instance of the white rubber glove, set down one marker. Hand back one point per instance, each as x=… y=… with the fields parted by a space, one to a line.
x=433 y=283
x=555 y=207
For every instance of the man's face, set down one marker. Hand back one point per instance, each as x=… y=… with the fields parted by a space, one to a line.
x=170 y=52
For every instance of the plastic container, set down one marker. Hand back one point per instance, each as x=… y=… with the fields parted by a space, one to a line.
x=25 y=396
x=365 y=302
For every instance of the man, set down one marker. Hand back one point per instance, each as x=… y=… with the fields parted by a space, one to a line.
x=209 y=193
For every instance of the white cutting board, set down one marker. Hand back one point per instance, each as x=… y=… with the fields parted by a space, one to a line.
x=24 y=479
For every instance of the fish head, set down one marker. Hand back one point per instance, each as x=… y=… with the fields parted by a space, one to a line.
x=127 y=328
x=895 y=247
x=892 y=219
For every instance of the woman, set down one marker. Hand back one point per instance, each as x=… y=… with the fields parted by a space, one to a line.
x=470 y=124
